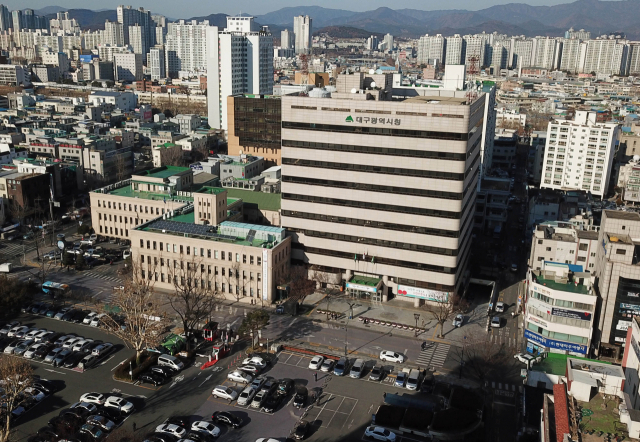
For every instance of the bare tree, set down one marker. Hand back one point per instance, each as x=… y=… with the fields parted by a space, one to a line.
x=444 y=309
x=135 y=301
x=253 y=323
x=484 y=360
x=297 y=277
x=19 y=212
x=121 y=167
x=16 y=375
x=194 y=297
x=172 y=156
x=330 y=283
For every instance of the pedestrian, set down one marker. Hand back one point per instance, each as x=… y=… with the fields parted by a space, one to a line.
x=315 y=376
x=134 y=426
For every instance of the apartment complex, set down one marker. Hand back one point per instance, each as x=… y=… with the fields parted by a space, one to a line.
x=254 y=123
x=559 y=309
x=579 y=154
x=350 y=166
x=186 y=46
x=302 y=30
x=239 y=60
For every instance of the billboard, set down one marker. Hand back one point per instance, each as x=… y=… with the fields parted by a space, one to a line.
x=552 y=343
x=416 y=292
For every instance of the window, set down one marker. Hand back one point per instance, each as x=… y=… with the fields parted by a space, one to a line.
x=583 y=247
x=251 y=259
x=259 y=260
x=621 y=252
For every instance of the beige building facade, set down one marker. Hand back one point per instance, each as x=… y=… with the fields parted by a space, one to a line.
x=383 y=192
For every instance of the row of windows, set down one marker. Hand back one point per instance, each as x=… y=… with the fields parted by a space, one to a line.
x=377 y=131
x=383 y=261
x=131 y=207
x=202 y=283
x=377 y=242
x=372 y=224
x=375 y=169
x=204 y=269
x=378 y=150
x=556 y=335
x=562 y=303
x=374 y=206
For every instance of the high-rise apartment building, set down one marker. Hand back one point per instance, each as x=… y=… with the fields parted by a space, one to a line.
x=580 y=35
x=18 y=20
x=475 y=47
x=579 y=154
x=239 y=60
x=547 y=51
x=187 y=44
x=287 y=39
x=131 y=17
x=113 y=33
x=381 y=194
x=606 y=56
x=500 y=54
x=6 y=21
x=388 y=42
x=302 y=29
x=138 y=39
x=156 y=63
x=62 y=23
x=455 y=53
x=431 y=47
x=521 y=52
x=570 y=59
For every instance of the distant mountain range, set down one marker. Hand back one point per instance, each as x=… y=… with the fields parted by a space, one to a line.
x=596 y=16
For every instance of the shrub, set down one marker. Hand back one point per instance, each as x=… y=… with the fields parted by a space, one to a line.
x=122 y=371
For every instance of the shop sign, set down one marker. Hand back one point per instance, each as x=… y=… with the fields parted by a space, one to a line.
x=629 y=310
x=416 y=292
x=538 y=321
x=552 y=343
x=623 y=325
x=378 y=121
x=585 y=316
x=362 y=288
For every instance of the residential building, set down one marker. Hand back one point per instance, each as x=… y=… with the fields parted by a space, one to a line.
x=302 y=30
x=187 y=122
x=239 y=61
x=287 y=39
x=62 y=23
x=579 y=35
x=505 y=147
x=618 y=279
x=521 y=52
x=128 y=17
x=106 y=52
x=579 y=154
x=492 y=203
x=127 y=67
x=559 y=307
x=113 y=34
x=562 y=242
x=630 y=406
x=456 y=50
x=186 y=46
x=240 y=172
x=138 y=40
x=605 y=56
x=14 y=75
x=571 y=59
x=254 y=127
x=474 y=48
x=547 y=52
x=157 y=63
x=350 y=234
x=6 y=22
x=126 y=100
x=432 y=47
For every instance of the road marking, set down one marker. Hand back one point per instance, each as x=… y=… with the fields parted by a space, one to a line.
x=232 y=324
x=203 y=382
x=405 y=351
x=53 y=371
x=102 y=363
x=292 y=322
x=119 y=365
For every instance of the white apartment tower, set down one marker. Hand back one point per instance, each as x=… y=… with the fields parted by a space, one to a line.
x=186 y=46
x=431 y=47
x=606 y=56
x=287 y=39
x=570 y=59
x=579 y=154
x=500 y=54
x=475 y=45
x=521 y=53
x=239 y=60
x=388 y=42
x=455 y=49
x=138 y=40
x=113 y=33
x=547 y=52
x=302 y=28
x=127 y=67
x=156 y=63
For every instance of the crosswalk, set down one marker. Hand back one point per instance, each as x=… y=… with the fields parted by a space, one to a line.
x=97 y=275
x=434 y=355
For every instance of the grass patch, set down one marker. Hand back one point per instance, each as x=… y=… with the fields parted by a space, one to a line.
x=606 y=420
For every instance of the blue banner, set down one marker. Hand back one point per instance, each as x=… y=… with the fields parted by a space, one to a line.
x=552 y=343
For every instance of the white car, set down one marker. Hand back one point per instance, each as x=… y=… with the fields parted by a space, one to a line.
x=119 y=403
x=93 y=398
x=246 y=396
x=256 y=361
x=205 y=427
x=82 y=345
x=87 y=319
x=500 y=307
x=316 y=362
x=528 y=359
x=240 y=377
x=43 y=335
x=390 y=356
x=33 y=333
x=28 y=354
x=380 y=433
x=267 y=439
x=95 y=322
x=171 y=429
x=35 y=393
x=495 y=322
x=458 y=320
x=225 y=392
x=69 y=343
x=17 y=329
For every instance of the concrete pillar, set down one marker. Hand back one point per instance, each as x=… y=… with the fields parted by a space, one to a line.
x=416 y=302
x=348 y=274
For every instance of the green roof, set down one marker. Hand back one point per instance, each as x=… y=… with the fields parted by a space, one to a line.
x=129 y=192
x=365 y=280
x=188 y=218
x=556 y=363
x=570 y=287
x=211 y=190
x=265 y=201
x=163 y=172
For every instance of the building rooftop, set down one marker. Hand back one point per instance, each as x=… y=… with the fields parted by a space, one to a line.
x=556 y=363
x=128 y=191
x=365 y=280
x=570 y=286
x=587 y=234
x=264 y=201
x=163 y=172
x=436 y=99
x=620 y=214
x=597 y=367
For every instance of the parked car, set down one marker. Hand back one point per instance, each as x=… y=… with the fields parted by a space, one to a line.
x=377 y=373
x=340 y=369
x=88 y=362
x=93 y=398
x=240 y=377
x=21 y=348
x=527 y=358
x=205 y=427
x=250 y=369
x=10 y=348
x=327 y=365
x=401 y=378
x=496 y=322
x=285 y=386
x=162 y=370
x=259 y=398
x=171 y=429
x=272 y=402
x=246 y=395
x=17 y=329
x=73 y=360
x=93 y=431
x=119 y=403
x=226 y=418
x=316 y=362
x=42 y=351
x=380 y=433
x=458 y=320
x=390 y=356
x=257 y=382
x=102 y=422
x=150 y=378
x=300 y=399
x=31 y=351
x=87 y=319
x=500 y=307
x=53 y=354
x=300 y=430
x=224 y=392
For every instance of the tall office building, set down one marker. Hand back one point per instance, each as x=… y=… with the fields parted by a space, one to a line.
x=348 y=214
x=455 y=50
x=579 y=154
x=156 y=63
x=187 y=44
x=6 y=21
x=239 y=60
x=131 y=17
x=302 y=28
x=127 y=67
x=287 y=39
x=28 y=19
x=113 y=33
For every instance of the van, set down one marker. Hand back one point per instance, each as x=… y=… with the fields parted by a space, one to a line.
x=87 y=242
x=357 y=369
x=340 y=367
x=171 y=362
x=413 y=380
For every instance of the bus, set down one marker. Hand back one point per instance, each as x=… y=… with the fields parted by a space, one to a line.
x=55 y=289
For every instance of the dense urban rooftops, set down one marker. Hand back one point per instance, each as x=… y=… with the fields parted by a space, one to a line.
x=162 y=172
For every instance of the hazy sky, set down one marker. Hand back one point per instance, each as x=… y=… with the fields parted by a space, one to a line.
x=190 y=8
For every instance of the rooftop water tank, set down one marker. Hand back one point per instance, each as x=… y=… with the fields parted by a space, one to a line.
x=319 y=92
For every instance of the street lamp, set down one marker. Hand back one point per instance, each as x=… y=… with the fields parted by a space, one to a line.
x=345 y=338
x=416 y=316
